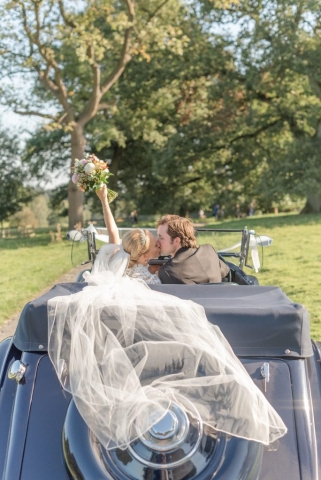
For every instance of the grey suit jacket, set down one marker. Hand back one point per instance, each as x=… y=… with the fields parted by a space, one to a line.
x=194 y=265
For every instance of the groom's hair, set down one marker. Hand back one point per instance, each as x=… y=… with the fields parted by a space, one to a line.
x=180 y=227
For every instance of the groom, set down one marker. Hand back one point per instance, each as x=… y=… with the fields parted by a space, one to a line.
x=189 y=263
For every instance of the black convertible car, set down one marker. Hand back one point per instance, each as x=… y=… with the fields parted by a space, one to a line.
x=42 y=435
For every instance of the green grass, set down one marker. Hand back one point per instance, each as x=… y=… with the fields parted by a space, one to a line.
x=29 y=265
x=292 y=262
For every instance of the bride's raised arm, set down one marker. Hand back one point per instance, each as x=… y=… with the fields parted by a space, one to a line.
x=108 y=216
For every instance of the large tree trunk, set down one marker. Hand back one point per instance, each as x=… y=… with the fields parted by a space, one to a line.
x=313 y=204
x=76 y=196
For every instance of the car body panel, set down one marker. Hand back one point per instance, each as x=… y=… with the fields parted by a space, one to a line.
x=37 y=411
x=31 y=418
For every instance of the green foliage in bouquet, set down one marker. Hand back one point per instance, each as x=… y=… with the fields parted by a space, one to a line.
x=90 y=173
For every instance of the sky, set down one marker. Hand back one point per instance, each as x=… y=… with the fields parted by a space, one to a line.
x=16 y=123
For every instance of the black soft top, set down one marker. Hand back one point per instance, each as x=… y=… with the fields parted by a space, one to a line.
x=257 y=321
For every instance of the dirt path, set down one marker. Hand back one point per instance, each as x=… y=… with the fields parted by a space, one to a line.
x=8 y=327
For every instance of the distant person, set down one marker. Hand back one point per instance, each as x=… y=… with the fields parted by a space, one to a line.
x=216 y=210
x=237 y=212
x=201 y=214
x=133 y=217
x=251 y=209
x=190 y=263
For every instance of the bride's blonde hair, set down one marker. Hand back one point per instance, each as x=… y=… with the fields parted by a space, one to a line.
x=136 y=243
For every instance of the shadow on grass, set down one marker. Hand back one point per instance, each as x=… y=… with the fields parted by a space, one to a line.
x=264 y=221
x=40 y=240
x=268 y=221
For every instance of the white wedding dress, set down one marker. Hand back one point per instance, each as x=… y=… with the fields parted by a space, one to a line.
x=141 y=272
x=125 y=351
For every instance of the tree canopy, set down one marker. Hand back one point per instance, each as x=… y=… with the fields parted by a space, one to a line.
x=191 y=103
x=279 y=47
x=72 y=54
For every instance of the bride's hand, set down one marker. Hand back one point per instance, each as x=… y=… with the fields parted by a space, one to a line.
x=102 y=193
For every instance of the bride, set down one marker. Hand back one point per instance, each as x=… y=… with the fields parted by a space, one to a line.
x=139 y=243
x=126 y=352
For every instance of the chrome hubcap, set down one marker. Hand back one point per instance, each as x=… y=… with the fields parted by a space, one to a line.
x=166 y=427
x=169 y=442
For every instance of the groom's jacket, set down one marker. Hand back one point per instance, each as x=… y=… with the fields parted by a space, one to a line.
x=194 y=265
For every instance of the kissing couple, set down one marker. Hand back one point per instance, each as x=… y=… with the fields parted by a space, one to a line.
x=188 y=263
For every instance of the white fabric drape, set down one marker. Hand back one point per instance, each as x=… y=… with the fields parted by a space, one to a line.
x=123 y=349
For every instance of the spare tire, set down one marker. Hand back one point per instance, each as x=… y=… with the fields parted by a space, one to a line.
x=216 y=457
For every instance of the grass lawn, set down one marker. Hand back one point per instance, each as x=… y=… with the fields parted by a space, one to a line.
x=29 y=265
x=291 y=262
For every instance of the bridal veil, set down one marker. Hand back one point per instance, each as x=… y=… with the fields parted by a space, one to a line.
x=125 y=352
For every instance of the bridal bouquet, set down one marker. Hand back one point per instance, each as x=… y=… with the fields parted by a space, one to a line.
x=90 y=173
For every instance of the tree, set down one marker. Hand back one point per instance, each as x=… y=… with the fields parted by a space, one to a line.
x=13 y=193
x=72 y=54
x=168 y=129
x=279 y=46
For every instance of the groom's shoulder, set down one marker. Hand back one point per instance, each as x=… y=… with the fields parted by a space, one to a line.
x=203 y=251
x=206 y=249
x=192 y=265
